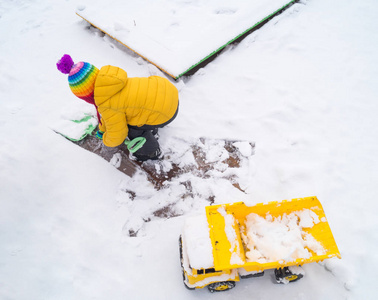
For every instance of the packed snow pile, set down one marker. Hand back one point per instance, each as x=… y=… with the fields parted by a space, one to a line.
x=196 y=235
x=76 y=127
x=282 y=238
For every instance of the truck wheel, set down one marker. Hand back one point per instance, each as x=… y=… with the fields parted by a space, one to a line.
x=221 y=286
x=284 y=275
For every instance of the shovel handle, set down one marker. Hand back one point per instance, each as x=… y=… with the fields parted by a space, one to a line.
x=135 y=144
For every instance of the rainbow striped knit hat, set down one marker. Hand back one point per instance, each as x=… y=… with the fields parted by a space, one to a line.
x=81 y=77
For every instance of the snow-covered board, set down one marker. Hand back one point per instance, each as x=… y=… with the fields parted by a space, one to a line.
x=184 y=159
x=200 y=158
x=179 y=37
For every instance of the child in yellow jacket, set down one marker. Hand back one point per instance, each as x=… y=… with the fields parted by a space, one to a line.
x=126 y=107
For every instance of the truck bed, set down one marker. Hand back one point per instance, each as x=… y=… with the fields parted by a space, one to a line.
x=228 y=232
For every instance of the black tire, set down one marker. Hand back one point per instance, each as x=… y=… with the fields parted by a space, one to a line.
x=182 y=267
x=284 y=275
x=221 y=286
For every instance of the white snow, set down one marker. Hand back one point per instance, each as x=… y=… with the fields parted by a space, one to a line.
x=71 y=129
x=303 y=88
x=297 y=270
x=183 y=32
x=270 y=239
x=307 y=218
x=244 y=148
x=196 y=234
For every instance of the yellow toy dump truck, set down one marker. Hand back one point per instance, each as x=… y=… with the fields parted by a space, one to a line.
x=234 y=241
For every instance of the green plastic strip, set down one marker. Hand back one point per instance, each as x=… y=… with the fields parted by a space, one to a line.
x=88 y=130
x=84 y=119
x=234 y=39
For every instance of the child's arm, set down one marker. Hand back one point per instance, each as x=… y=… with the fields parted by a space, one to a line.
x=109 y=82
x=115 y=126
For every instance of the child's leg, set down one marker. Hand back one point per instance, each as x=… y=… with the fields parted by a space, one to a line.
x=150 y=149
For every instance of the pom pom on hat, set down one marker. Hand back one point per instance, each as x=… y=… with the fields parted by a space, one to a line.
x=65 y=64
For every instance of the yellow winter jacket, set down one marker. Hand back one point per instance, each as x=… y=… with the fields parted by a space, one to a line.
x=123 y=101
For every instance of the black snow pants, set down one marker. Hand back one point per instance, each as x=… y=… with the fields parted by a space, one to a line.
x=151 y=148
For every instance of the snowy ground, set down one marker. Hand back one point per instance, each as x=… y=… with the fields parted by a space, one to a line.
x=168 y=32
x=304 y=88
